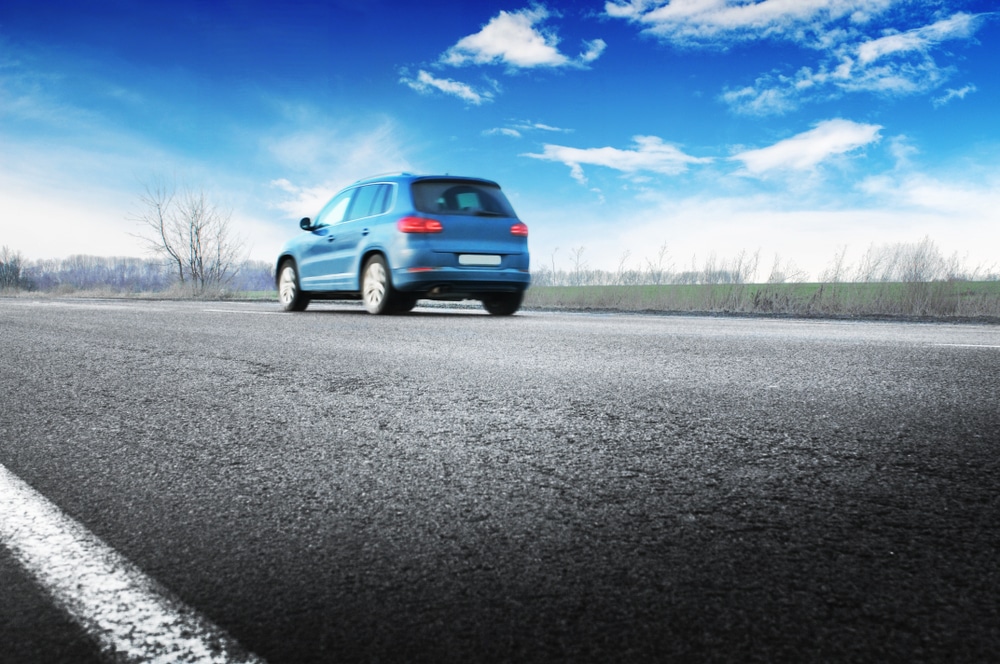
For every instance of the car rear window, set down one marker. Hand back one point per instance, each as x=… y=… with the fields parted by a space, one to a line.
x=451 y=197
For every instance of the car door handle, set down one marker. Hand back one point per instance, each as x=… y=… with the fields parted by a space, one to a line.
x=364 y=232
x=330 y=238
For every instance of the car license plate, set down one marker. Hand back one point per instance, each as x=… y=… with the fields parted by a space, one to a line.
x=478 y=259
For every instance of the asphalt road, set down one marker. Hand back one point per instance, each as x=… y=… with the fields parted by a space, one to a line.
x=451 y=487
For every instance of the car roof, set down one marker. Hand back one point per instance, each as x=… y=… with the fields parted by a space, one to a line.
x=410 y=177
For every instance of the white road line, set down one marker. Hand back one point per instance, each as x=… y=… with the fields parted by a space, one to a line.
x=245 y=311
x=967 y=345
x=131 y=616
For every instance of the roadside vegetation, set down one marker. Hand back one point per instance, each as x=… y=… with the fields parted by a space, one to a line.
x=900 y=280
x=197 y=255
x=115 y=276
x=943 y=299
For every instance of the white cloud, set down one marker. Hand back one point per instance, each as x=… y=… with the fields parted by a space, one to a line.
x=426 y=83
x=503 y=131
x=650 y=154
x=894 y=63
x=954 y=94
x=545 y=127
x=897 y=64
x=595 y=48
x=902 y=150
x=516 y=40
x=909 y=191
x=47 y=220
x=323 y=156
x=959 y=26
x=807 y=150
x=760 y=99
x=696 y=21
x=518 y=129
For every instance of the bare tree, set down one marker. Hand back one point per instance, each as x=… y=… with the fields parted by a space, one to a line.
x=193 y=234
x=743 y=268
x=711 y=273
x=878 y=264
x=579 y=265
x=837 y=271
x=788 y=272
x=922 y=262
x=657 y=269
x=777 y=275
x=620 y=273
x=12 y=269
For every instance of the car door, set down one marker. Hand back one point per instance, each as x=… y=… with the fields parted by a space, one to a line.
x=316 y=264
x=349 y=236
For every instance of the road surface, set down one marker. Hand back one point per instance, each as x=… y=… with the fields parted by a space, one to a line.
x=451 y=487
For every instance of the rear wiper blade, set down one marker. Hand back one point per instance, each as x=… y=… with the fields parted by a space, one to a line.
x=487 y=213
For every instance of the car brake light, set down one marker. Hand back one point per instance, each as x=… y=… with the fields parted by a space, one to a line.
x=520 y=229
x=419 y=225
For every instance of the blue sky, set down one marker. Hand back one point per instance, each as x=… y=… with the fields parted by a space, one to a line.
x=714 y=127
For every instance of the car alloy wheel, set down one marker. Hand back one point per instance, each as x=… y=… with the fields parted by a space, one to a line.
x=289 y=294
x=376 y=287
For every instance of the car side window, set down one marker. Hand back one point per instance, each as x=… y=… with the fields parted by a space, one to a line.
x=367 y=202
x=383 y=200
x=335 y=210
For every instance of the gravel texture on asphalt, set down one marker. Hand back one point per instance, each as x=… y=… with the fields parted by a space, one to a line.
x=450 y=487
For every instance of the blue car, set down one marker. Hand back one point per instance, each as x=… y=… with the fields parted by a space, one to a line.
x=392 y=240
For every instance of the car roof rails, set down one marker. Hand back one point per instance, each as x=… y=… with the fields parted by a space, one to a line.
x=385 y=175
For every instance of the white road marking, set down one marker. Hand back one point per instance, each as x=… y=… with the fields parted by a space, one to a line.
x=131 y=616
x=121 y=305
x=246 y=311
x=967 y=345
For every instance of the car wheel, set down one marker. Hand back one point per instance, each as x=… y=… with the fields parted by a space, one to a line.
x=503 y=304
x=290 y=295
x=376 y=287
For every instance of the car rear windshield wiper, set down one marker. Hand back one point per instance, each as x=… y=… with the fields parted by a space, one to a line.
x=488 y=213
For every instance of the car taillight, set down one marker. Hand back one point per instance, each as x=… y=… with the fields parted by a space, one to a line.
x=519 y=229
x=419 y=225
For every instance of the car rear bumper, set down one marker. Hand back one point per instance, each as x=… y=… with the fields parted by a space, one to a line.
x=446 y=282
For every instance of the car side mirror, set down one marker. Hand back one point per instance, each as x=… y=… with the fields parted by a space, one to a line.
x=306 y=224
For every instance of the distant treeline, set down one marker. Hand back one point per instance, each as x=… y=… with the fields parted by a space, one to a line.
x=115 y=274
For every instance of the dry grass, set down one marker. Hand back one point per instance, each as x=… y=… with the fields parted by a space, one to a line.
x=945 y=299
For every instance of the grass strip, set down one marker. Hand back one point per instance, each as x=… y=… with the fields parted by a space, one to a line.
x=945 y=299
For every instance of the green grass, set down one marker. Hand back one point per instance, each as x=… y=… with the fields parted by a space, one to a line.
x=954 y=299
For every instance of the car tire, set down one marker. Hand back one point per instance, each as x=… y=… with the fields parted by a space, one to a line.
x=377 y=292
x=503 y=304
x=290 y=295
x=404 y=303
